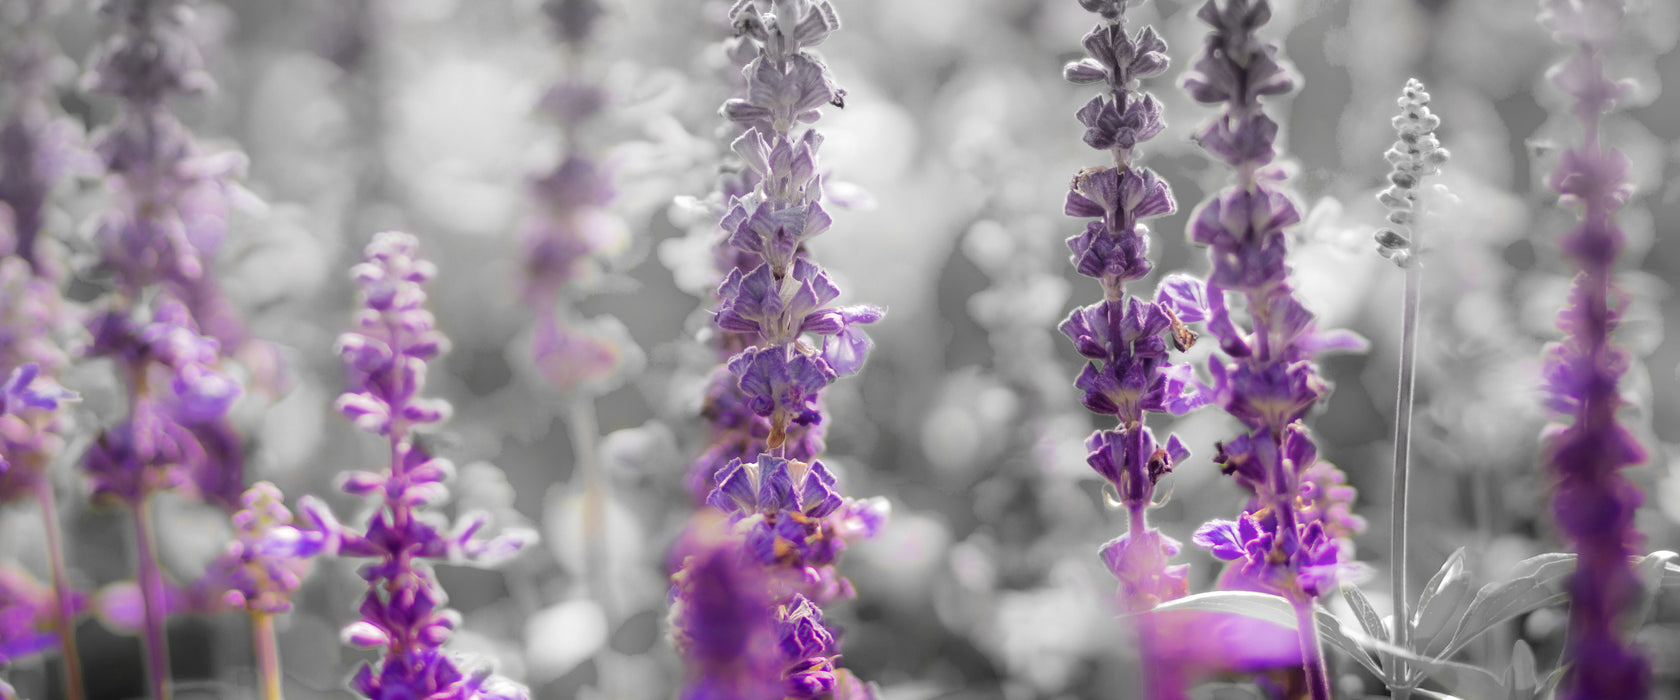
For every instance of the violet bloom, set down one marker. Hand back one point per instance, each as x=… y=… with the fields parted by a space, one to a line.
x=1266 y=379
x=788 y=523
x=1588 y=448
x=723 y=622
x=176 y=388
x=39 y=146
x=252 y=574
x=403 y=613
x=28 y=615
x=169 y=200
x=1125 y=339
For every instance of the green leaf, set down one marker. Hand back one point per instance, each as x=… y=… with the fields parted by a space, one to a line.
x=1276 y=610
x=1441 y=603
x=1521 y=680
x=1538 y=582
x=1467 y=681
x=1453 y=566
x=1653 y=571
x=1371 y=621
x=1535 y=583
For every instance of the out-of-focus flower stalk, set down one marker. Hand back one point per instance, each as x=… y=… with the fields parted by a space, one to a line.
x=1415 y=155
x=29 y=425
x=1588 y=448
x=39 y=147
x=568 y=240
x=168 y=215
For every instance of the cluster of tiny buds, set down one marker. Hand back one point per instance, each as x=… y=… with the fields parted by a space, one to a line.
x=1416 y=155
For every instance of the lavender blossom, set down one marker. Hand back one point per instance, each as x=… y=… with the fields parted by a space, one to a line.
x=404 y=612
x=29 y=614
x=169 y=202
x=251 y=574
x=1125 y=339
x=1267 y=379
x=1587 y=449
x=258 y=577
x=787 y=520
x=39 y=146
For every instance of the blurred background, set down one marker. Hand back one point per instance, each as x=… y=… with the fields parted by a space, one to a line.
x=957 y=142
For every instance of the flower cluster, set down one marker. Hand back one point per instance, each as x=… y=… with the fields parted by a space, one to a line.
x=404 y=610
x=32 y=318
x=170 y=201
x=1268 y=382
x=1587 y=450
x=570 y=236
x=787 y=522
x=169 y=205
x=1125 y=339
x=250 y=574
x=1266 y=379
x=28 y=614
x=176 y=390
x=39 y=146
x=1416 y=155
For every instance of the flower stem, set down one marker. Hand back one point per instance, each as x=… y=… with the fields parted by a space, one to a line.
x=1402 y=459
x=63 y=609
x=585 y=433
x=1312 y=651
x=584 y=428
x=150 y=578
x=268 y=654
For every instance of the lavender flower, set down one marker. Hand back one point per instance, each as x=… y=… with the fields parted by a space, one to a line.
x=250 y=574
x=788 y=522
x=1267 y=379
x=1125 y=339
x=29 y=614
x=404 y=611
x=1587 y=449
x=170 y=201
x=39 y=146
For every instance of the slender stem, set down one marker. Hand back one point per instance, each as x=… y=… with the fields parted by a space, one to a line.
x=63 y=609
x=585 y=433
x=150 y=579
x=268 y=654
x=1402 y=461
x=1312 y=650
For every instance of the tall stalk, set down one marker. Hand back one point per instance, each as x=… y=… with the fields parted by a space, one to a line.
x=267 y=652
x=1415 y=155
x=150 y=578
x=64 y=610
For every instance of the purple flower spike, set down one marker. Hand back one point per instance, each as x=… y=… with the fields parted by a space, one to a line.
x=1588 y=448
x=403 y=612
x=1126 y=338
x=1266 y=378
x=252 y=574
x=786 y=340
